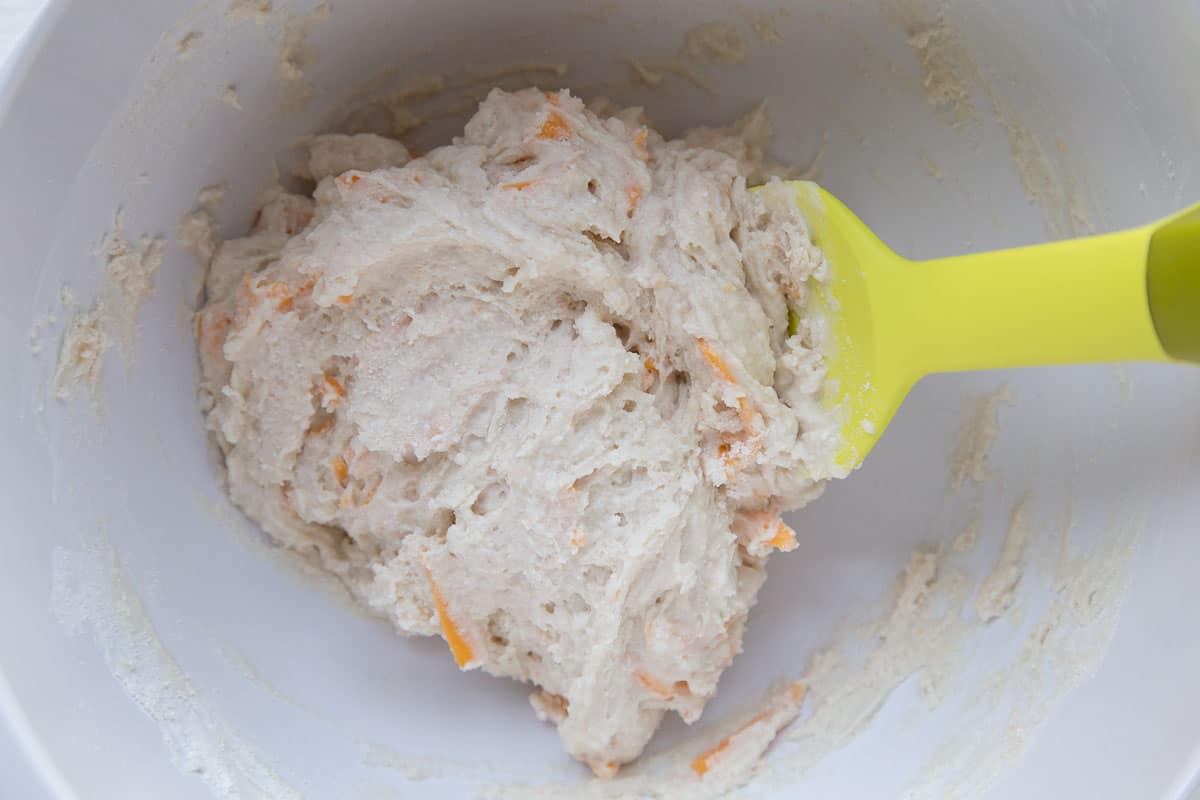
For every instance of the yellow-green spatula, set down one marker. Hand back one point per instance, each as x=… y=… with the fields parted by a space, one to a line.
x=1128 y=296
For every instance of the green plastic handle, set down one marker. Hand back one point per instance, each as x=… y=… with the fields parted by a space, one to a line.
x=1173 y=285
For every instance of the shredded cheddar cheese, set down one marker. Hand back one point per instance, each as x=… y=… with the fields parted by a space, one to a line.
x=464 y=656
x=654 y=685
x=340 y=470
x=555 y=127
x=639 y=144
x=634 y=194
x=715 y=361
x=702 y=763
x=784 y=539
x=333 y=393
x=706 y=761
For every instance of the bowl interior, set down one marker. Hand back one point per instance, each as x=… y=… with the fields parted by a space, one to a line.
x=127 y=574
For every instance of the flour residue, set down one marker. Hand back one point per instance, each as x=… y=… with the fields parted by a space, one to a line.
x=130 y=282
x=41 y=329
x=706 y=45
x=258 y=11
x=1062 y=649
x=966 y=540
x=653 y=73
x=929 y=632
x=949 y=77
x=970 y=458
x=922 y=631
x=932 y=168
x=765 y=24
x=412 y=768
x=112 y=318
x=37 y=331
x=944 y=66
x=491 y=779
x=187 y=44
x=81 y=358
x=231 y=97
x=1046 y=177
x=998 y=591
x=296 y=54
x=729 y=758
x=92 y=593
x=714 y=43
x=947 y=67
x=241 y=663
x=197 y=231
x=422 y=768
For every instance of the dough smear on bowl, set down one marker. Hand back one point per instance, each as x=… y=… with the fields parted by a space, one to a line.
x=535 y=392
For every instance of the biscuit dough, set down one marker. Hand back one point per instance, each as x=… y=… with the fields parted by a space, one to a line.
x=535 y=392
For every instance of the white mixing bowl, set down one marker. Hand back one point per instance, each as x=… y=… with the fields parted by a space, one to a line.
x=151 y=647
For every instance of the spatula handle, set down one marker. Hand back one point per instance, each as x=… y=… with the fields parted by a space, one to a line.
x=1076 y=301
x=1173 y=285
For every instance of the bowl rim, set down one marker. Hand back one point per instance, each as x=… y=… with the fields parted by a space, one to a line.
x=13 y=73
x=26 y=50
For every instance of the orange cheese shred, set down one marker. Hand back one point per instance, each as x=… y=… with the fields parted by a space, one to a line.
x=460 y=648
x=765 y=527
x=555 y=127
x=639 y=144
x=702 y=763
x=778 y=715
x=340 y=470
x=603 y=769
x=649 y=373
x=746 y=413
x=634 y=194
x=784 y=539
x=746 y=410
x=278 y=291
x=369 y=495
x=333 y=393
x=715 y=361
x=654 y=685
x=323 y=426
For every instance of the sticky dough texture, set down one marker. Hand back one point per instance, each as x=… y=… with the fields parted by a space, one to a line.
x=533 y=391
